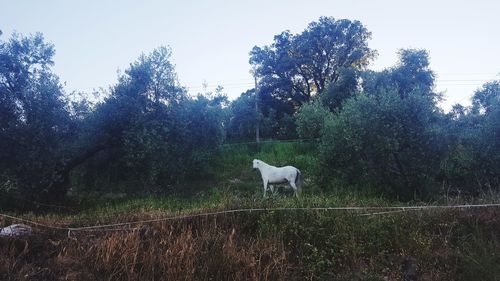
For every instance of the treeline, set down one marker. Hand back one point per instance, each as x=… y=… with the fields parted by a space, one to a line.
x=378 y=129
x=146 y=133
x=382 y=129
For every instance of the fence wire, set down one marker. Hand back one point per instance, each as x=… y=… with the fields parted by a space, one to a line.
x=368 y=211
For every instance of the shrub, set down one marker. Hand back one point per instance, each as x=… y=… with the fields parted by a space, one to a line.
x=311 y=119
x=385 y=141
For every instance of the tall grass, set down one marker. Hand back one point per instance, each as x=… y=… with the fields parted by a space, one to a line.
x=293 y=245
x=270 y=245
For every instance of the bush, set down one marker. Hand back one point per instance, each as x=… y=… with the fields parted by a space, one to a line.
x=311 y=119
x=156 y=135
x=472 y=164
x=384 y=141
x=154 y=153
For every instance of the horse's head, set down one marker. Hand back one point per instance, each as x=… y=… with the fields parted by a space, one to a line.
x=256 y=163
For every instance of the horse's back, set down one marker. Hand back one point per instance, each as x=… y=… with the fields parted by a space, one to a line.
x=282 y=174
x=290 y=169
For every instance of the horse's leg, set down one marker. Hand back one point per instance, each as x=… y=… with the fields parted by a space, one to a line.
x=272 y=188
x=294 y=186
x=265 y=181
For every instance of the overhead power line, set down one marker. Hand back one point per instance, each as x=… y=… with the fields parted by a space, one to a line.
x=234 y=84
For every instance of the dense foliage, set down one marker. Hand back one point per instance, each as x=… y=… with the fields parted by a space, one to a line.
x=156 y=135
x=378 y=129
x=473 y=160
x=311 y=119
x=35 y=125
x=387 y=136
x=146 y=134
x=295 y=67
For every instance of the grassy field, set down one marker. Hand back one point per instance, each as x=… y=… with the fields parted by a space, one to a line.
x=452 y=244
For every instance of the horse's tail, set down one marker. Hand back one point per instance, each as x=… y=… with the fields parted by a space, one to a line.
x=298 y=179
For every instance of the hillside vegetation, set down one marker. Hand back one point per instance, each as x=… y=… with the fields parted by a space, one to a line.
x=145 y=149
x=455 y=244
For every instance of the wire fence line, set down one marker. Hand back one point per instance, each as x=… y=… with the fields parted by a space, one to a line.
x=272 y=141
x=368 y=211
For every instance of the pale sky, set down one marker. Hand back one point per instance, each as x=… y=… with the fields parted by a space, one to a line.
x=210 y=40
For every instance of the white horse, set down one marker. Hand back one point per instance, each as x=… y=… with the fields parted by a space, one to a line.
x=271 y=174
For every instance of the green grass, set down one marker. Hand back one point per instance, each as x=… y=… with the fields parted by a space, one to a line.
x=99 y=211
x=237 y=186
x=325 y=245
x=319 y=245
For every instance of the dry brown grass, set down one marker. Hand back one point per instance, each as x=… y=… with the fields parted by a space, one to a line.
x=165 y=251
x=434 y=245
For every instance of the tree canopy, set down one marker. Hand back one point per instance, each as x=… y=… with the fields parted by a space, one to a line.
x=295 y=67
x=35 y=125
x=374 y=129
x=147 y=132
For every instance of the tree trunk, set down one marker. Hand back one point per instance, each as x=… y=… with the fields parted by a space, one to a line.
x=58 y=184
